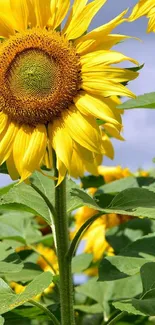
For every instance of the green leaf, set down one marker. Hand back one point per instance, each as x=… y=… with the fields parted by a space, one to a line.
x=118 y=267
x=9 y=260
x=19 y=227
x=3 y=169
x=134 y=202
x=142 y=101
x=126 y=306
x=28 y=273
x=89 y=309
x=47 y=187
x=127 y=232
x=5 y=189
x=146 y=304
x=120 y=185
x=104 y=292
x=85 y=198
x=23 y=197
x=92 y=181
x=10 y=300
x=129 y=261
x=133 y=198
x=24 y=314
x=81 y=262
x=2 y=320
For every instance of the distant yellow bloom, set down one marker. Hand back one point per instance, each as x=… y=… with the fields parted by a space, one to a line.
x=50 y=256
x=55 y=84
x=94 y=237
x=145 y=8
x=18 y=288
x=143 y=173
x=113 y=173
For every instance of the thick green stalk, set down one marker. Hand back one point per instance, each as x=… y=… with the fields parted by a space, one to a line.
x=62 y=242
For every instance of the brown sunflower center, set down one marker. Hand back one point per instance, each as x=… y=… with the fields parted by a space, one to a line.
x=39 y=76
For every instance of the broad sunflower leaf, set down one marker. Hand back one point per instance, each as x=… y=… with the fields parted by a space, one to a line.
x=19 y=227
x=23 y=197
x=129 y=261
x=24 y=314
x=143 y=101
x=81 y=262
x=5 y=189
x=127 y=306
x=47 y=187
x=28 y=273
x=2 y=320
x=89 y=309
x=120 y=185
x=146 y=303
x=10 y=300
x=10 y=261
x=105 y=292
x=127 y=232
x=92 y=181
x=134 y=202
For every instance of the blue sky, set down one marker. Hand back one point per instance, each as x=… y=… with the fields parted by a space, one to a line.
x=138 y=149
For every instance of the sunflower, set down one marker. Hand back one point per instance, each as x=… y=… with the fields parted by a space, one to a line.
x=56 y=84
x=145 y=8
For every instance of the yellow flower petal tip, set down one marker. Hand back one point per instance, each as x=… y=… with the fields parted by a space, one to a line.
x=59 y=83
x=144 y=8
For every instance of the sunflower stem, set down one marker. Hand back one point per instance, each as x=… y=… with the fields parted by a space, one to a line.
x=62 y=242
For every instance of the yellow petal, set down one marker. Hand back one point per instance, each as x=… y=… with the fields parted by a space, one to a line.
x=79 y=23
x=106 y=88
x=42 y=11
x=141 y=9
x=12 y=168
x=93 y=45
x=7 y=25
x=113 y=131
x=76 y=9
x=95 y=106
x=100 y=58
x=59 y=9
x=110 y=73
x=62 y=171
x=76 y=166
x=29 y=149
x=20 y=12
x=83 y=130
x=151 y=23
x=3 y=121
x=97 y=37
x=61 y=142
x=108 y=148
x=32 y=20
x=6 y=141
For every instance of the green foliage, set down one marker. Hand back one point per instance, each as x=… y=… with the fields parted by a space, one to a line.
x=142 y=101
x=10 y=262
x=10 y=300
x=81 y=262
x=126 y=280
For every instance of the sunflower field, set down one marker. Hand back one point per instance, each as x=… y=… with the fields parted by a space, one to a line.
x=77 y=236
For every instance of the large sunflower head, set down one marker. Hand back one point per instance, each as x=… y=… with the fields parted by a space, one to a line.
x=57 y=86
x=145 y=8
